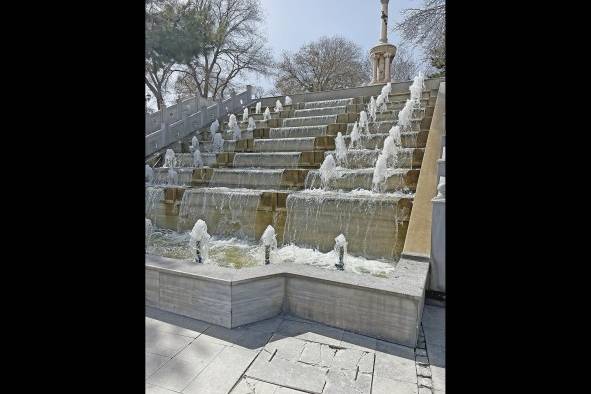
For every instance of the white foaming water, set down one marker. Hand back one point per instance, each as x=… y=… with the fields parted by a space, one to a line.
x=328 y=170
x=386 y=90
x=148 y=230
x=169 y=159
x=149 y=177
x=153 y=197
x=194 y=143
x=287 y=100
x=363 y=121
x=341 y=242
x=379 y=173
x=257 y=109
x=237 y=133
x=251 y=124
x=267 y=114
x=214 y=128
x=372 y=109
x=268 y=238
x=355 y=136
x=278 y=106
x=395 y=134
x=218 y=143
x=245 y=114
x=380 y=103
x=341 y=149
x=416 y=89
x=236 y=253
x=232 y=122
x=199 y=234
x=197 y=160
x=405 y=114
x=173 y=177
x=442 y=153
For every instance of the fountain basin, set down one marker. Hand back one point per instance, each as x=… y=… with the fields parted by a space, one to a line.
x=232 y=298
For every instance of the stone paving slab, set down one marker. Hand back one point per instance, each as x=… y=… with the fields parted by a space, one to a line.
x=151 y=389
x=289 y=374
x=383 y=385
x=288 y=355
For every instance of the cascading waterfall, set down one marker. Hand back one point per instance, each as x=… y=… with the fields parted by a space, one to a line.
x=194 y=143
x=341 y=150
x=169 y=159
x=149 y=177
x=278 y=106
x=372 y=109
x=251 y=124
x=363 y=123
x=154 y=195
x=229 y=212
x=328 y=171
x=215 y=126
x=297 y=131
x=197 y=160
x=355 y=136
x=218 y=143
x=310 y=120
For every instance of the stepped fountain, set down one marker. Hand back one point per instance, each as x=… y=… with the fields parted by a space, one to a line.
x=322 y=184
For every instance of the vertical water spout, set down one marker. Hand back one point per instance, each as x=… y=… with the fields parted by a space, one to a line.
x=269 y=241
x=341 y=149
x=363 y=124
x=341 y=250
x=245 y=114
x=257 y=109
x=214 y=128
x=194 y=144
x=278 y=106
x=218 y=143
x=149 y=174
x=328 y=170
x=169 y=159
x=267 y=114
x=200 y=240
x=287 y=100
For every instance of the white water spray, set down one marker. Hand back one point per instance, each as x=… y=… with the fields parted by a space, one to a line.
x=355 y=136
x=363 y=124
x=214 y=128
x=251 y=124
x=149 y=177
x=218 y=143
x=194 y=143
x=328 y=170
x=267 y=114
x=257 y=109
x=287 y=100
x=200 y=240
x=169 y=159
x=197 y=160
x=341 y=149
x=278 y=106
x=245 y=114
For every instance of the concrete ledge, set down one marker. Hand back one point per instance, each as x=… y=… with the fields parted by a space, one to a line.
x=388 y=309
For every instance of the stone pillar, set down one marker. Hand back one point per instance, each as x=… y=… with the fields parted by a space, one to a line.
x=375 y=68
x=384 y=36
x=387 y=67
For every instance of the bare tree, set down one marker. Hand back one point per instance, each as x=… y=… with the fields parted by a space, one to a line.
x=234 y=46
x=404 y=66
x=425 y=27
x=328 y=63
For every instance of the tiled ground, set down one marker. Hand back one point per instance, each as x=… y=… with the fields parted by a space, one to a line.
x=287 y=355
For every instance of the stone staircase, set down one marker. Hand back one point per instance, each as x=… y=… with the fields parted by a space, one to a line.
x=267 y=176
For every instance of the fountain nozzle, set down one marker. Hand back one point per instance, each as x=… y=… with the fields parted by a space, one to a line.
x=267 y=254
x=341 y=264
x=198 y=252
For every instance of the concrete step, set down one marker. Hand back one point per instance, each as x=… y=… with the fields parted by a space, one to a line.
x=323 y=103
x=298 y=131
x=349 y=179
x=319 y=111
x=376 y=141
x=259 y=178
x=293 y=144
x=365 y=158
x=307 y=159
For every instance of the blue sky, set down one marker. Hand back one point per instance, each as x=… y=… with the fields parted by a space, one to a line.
x=292 y=23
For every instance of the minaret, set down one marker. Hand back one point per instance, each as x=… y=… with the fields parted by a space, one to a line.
x=383 y=53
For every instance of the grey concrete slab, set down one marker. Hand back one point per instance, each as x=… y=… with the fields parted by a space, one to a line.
x=200 y=350
x=347 y=359
x=151 y=389
x=269 y=325
x=438 y=378
x=253 y=386
x=222 y=335
x=311 y=332
x=395 y=350
x=347 y=382
x=311 y=353
x=434 y=336
x=356 y=341
x=220 y=376
x=382 y=385
x=285 y=390
x=153 y=362
x=285 y=347
x=436 y=355
x=173 y=323
x=253 y=339
x=395 y=368
x=176 y=374
x=287 y=373
x=165 y=344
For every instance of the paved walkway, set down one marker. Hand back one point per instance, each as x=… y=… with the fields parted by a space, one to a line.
x=288 y=355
